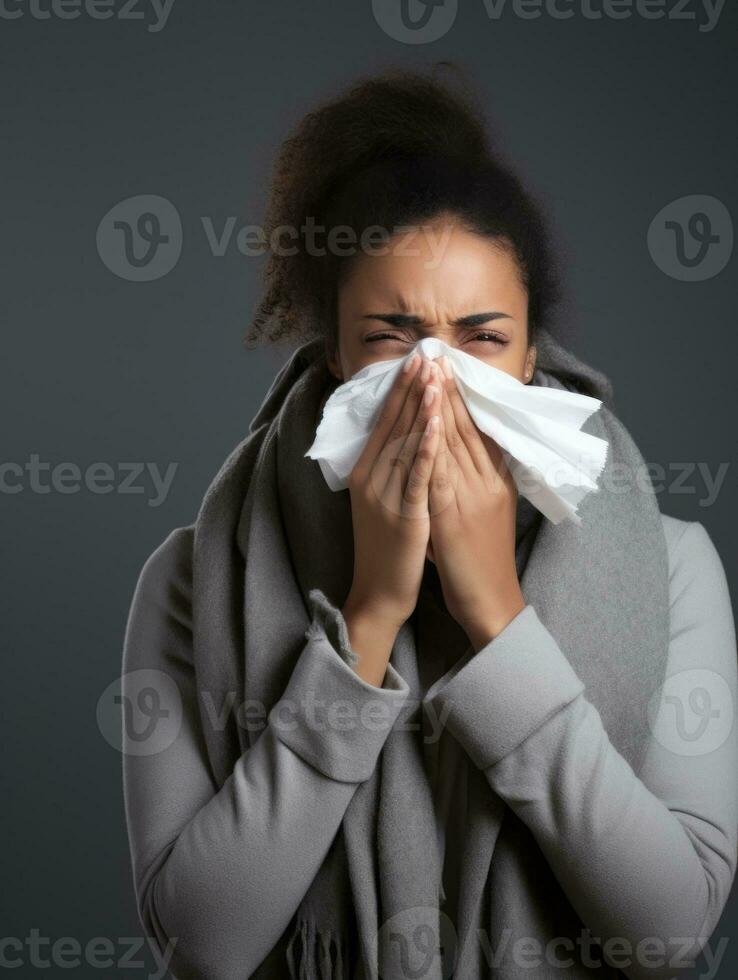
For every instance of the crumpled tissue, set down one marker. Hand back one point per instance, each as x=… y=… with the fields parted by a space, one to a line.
x=553 y=463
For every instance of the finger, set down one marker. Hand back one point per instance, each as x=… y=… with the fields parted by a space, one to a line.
x=392 y=464
x=400 y=460
x=457 y=449
x=498 y=468
x=391 y=409
x=483 y=451
x=466 y=427
x=477 y=454
x=415 y=495
x=408 y=419
x=441 y=492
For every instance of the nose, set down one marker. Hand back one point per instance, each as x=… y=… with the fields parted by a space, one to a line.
x=431 y=347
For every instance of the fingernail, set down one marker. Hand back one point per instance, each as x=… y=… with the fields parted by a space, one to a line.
x=446 y=366
x=425 y=370
x=429 y=395
x=410 y=362
x=432 y=423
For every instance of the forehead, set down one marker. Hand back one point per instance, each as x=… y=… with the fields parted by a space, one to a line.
x=435 y=263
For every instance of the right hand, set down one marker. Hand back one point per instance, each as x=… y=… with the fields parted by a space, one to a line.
x=389 y=499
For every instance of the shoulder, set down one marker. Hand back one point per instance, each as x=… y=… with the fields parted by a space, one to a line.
x=165 y=581
x=158 y=633
x=691 y=549
x=698 y=585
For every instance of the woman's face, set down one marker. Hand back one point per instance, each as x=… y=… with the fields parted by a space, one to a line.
x=438 y=281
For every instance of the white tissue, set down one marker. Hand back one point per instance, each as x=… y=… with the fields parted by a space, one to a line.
x=554 y=464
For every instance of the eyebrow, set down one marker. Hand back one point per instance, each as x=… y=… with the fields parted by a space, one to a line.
x=410 y=320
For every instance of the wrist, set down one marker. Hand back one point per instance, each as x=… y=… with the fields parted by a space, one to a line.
x=372 y=638
x=490 y=619
x=381 y=615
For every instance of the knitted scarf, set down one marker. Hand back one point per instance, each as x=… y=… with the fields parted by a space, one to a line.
x=270 y=531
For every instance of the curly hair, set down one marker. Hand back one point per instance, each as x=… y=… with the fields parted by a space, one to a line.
x=397 y=148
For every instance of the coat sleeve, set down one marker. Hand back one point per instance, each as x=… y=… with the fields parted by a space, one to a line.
x=219 y=872
x=646 y=860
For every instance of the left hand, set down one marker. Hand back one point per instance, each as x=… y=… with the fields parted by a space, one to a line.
x=473 y=503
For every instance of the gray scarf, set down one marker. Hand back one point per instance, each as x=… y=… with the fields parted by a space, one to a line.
x=270 y=530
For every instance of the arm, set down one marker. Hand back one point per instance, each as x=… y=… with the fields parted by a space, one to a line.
x=220 y=872
x=649 y=858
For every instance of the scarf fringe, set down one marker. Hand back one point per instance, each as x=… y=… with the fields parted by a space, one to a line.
x=313 y=955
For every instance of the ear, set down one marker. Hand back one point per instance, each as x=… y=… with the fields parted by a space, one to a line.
x=530 y=362
x=334 y=364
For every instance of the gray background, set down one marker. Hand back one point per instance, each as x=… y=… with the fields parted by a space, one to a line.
x=611 y=120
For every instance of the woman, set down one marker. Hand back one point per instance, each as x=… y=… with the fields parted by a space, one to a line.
x=410 y=728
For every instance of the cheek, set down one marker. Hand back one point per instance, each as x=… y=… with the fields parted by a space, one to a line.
x=344 y=363
x=352 y=355
x=512 y=362
x=356 y=355
x=510 y=365
x=353 y=364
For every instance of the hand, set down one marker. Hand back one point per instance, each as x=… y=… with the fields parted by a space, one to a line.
x=473 y=503
x=390 y=514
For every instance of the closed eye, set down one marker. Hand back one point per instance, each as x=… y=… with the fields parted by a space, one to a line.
x=405 y=327
x=489 y=336
x=484 y=336
x=386 y=336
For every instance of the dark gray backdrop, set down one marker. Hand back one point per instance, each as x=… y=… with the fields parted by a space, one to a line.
x=611 y=119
